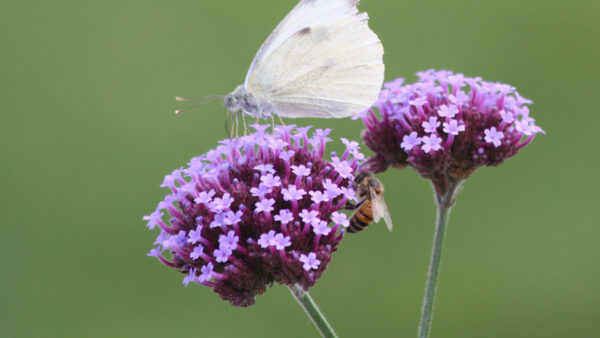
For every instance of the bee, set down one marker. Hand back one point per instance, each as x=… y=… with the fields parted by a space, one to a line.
x=371 y=206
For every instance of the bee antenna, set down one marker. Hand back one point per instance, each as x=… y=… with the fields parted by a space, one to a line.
x=363 y=167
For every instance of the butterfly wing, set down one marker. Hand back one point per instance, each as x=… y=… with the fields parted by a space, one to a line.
x=305 y=14
x=380 y=209
x=330 y=69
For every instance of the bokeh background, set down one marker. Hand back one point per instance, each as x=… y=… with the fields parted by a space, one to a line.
x=87 y=133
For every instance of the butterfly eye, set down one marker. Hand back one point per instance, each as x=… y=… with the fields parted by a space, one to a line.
x=231 y=103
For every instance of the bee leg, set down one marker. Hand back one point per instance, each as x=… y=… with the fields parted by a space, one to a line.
x=350 y=206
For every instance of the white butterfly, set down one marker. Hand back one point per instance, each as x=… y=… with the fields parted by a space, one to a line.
x=322 y=60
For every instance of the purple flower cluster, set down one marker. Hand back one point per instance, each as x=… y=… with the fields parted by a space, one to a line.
x=446 y=125
x=256 y=210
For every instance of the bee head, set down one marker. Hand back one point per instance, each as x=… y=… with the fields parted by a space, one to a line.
x=361 y=176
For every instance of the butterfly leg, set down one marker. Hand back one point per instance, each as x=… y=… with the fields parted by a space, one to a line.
x=244 y=120
x=227 y=118
x=280 y=120
x=237 y=125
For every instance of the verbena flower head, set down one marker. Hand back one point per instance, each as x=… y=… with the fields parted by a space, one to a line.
x=256 y=210
x=446 y=125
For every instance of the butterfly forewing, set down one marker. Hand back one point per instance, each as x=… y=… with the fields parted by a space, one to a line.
x=330 y=69
x=305 y=14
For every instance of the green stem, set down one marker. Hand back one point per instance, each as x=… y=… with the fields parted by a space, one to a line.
x=444 y=205
x=313 y=312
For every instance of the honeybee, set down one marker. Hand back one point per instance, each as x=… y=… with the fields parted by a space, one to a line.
x=371 y=206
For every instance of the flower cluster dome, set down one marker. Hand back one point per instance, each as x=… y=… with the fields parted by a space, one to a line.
x=446 y=125
x=258 y=209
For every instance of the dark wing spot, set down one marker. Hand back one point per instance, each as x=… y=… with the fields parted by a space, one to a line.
x=304 y=31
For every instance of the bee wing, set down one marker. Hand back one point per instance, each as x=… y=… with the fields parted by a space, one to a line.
x=380 y=209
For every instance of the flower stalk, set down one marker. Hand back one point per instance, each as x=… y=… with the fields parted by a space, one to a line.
x=444 y=202
x=313 y=312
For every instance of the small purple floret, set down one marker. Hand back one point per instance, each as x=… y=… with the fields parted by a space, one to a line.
x=310 y=261
x=265 y=239
x=284 y=216
x=280 y=241
x=320 y=227
x=340 y=219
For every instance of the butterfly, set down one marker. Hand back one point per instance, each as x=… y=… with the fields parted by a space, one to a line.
x=322 y=60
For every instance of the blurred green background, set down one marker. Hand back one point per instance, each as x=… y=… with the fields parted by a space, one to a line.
x=87 y=133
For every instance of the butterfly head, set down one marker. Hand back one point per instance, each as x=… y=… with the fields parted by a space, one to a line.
x=233 y=101
x=242 y=101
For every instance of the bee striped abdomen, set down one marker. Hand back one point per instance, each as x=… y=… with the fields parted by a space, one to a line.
x=361 y=218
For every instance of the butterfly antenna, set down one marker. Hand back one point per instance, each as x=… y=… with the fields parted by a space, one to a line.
x=179 y=111
x=203 y=100
x=207 y=98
